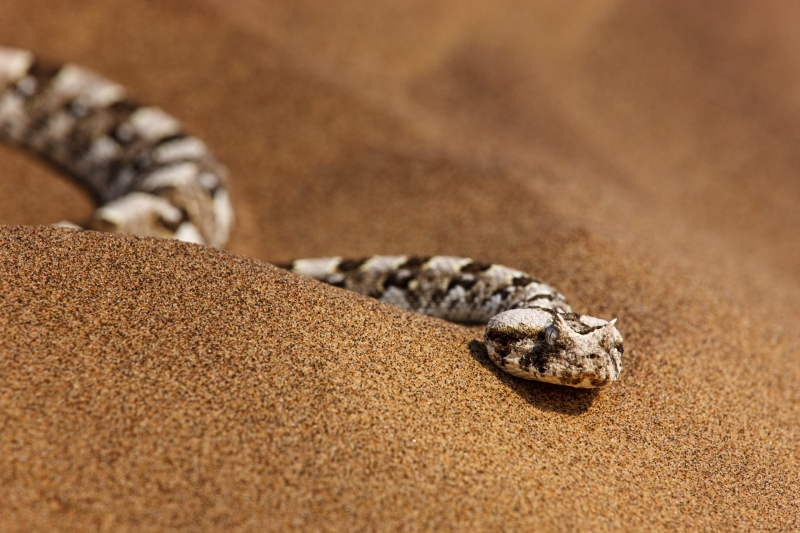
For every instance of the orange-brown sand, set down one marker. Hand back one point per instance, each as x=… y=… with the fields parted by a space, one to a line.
x=642 y=157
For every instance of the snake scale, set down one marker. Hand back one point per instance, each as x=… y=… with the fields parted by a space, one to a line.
x=152 y=178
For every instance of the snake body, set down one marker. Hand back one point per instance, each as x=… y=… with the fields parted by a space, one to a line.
x=152 y=178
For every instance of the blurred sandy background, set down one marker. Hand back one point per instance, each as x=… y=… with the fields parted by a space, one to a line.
x=639 y=156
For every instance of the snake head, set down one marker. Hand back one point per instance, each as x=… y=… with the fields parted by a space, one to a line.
x=562 y=348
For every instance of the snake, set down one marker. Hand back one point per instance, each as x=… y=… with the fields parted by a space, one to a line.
x=150 y=177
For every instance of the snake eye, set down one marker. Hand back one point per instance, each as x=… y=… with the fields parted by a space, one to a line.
x=551 y=335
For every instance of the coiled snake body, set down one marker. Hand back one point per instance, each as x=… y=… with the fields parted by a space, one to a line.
x=151 y=178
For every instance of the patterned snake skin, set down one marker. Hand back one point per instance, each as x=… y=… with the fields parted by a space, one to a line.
x=151 y=178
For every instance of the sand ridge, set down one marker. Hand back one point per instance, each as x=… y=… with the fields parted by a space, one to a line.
x=208 y=389
x=149 y=385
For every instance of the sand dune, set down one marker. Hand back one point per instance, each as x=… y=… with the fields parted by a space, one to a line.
x=640 y=157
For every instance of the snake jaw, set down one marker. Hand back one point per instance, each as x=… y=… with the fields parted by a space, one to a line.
x=585 y=352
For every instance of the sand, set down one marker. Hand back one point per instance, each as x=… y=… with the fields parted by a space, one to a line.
x=639 y=156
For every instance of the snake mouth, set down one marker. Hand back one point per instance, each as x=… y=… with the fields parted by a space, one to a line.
x=589 y=380
x=600 y=371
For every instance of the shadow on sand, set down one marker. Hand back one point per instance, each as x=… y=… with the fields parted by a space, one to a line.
x=558 y=398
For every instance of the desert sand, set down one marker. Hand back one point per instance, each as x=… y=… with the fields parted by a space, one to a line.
x=641 y=157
